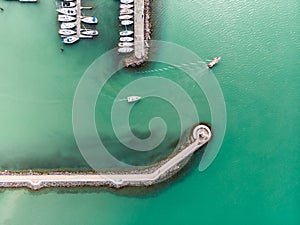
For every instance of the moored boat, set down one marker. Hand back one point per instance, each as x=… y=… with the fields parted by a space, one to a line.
x=126 y=22
x=126 y=11
x=126 y=1
x=65 y=18
x=70 y=39
x=126 y=6
x=133 y=98
x=89 y=32
x=66 y=32
x=126 y=33
x=68 y=25
x=90 y=20
x=125 y=50
x=67 y=11
x=126 y=39
x=66 y=4
x=213 y=62
x=125 y=17
x=125 y=44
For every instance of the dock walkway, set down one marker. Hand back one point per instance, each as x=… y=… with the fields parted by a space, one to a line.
x=139 y=49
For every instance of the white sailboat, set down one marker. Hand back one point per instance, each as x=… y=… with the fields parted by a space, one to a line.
x=70 y=39
x=90 y=20
x=126 y=22
x=65 y=18
x=126 y=32
x=68 y=25
x=67 y=11
x=126 y=39
x=125 y=50
x=66 y=32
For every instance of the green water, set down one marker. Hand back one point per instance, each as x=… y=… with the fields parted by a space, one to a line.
x=255 y=178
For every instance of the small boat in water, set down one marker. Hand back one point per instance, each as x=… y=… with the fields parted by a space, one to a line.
x=68 y=25
x=70 y=39
x=126 y=22
x=125 y=44
x=126 y=1
x=133 y=98
x=66 y=4
x=126 y=11
x=66 y=32
x=126 y=39
x=126 y=33
x=125 y=17
x=213 y=62
x=89 y=32
x=65 y=18
x=125 y=50
x=90 y=19
x=126 y=6
x=67 y=11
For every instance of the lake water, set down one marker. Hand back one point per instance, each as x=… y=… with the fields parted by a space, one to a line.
x=255 y=178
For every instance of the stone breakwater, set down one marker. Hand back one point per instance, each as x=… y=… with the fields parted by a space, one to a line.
x=196 y=138
x=142 y=29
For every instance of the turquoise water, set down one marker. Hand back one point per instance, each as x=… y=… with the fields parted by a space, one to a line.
x=254 y=179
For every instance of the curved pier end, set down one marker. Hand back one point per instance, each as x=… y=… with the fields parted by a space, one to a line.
x=189 y=143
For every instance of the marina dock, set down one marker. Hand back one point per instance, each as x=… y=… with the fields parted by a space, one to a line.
x=141 y=33
x=198 y=136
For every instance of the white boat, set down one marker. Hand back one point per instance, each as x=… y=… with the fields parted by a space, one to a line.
x=125 y=50
x=126 y=32
x=133 y=98
x=68 y=25
x=70 y=39
x=126 y=11
x=67 y=11
x=126 y=6
x=126 y=22
x=66 y=32
x=126 y=39
x=90 y=20
x=213 y=62
x=125 y=17
x=126 y=1
x=68 y=0
x=89 y=32
x=66 y=4
x=125 y=44
x=65 y=18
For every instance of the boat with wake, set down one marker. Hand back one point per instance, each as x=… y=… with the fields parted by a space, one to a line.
x=213 y=62
x=133 y=99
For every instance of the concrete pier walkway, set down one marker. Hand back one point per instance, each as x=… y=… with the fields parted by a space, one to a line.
x=139 y=24
x=201 y=135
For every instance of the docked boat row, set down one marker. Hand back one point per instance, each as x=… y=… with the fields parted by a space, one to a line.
x=71 y=27
x=126 y=19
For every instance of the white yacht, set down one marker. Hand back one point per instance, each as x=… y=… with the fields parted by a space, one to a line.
x=65 y=18
x=126 y=39
x=126 y=6
x=68 y=25
x=126 y=32
x=89 y=32
x=125 y=50
x=90 y=20
x=133 y=98
x=66 y=32
x=67 y=11
x=65 y=4
x=126 y=1
x=70 y=39
x=125 y=17
x=126 y=22
x=126 y=11
x=125 y=44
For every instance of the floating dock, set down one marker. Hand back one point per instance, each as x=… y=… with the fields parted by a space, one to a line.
x=197 y=137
